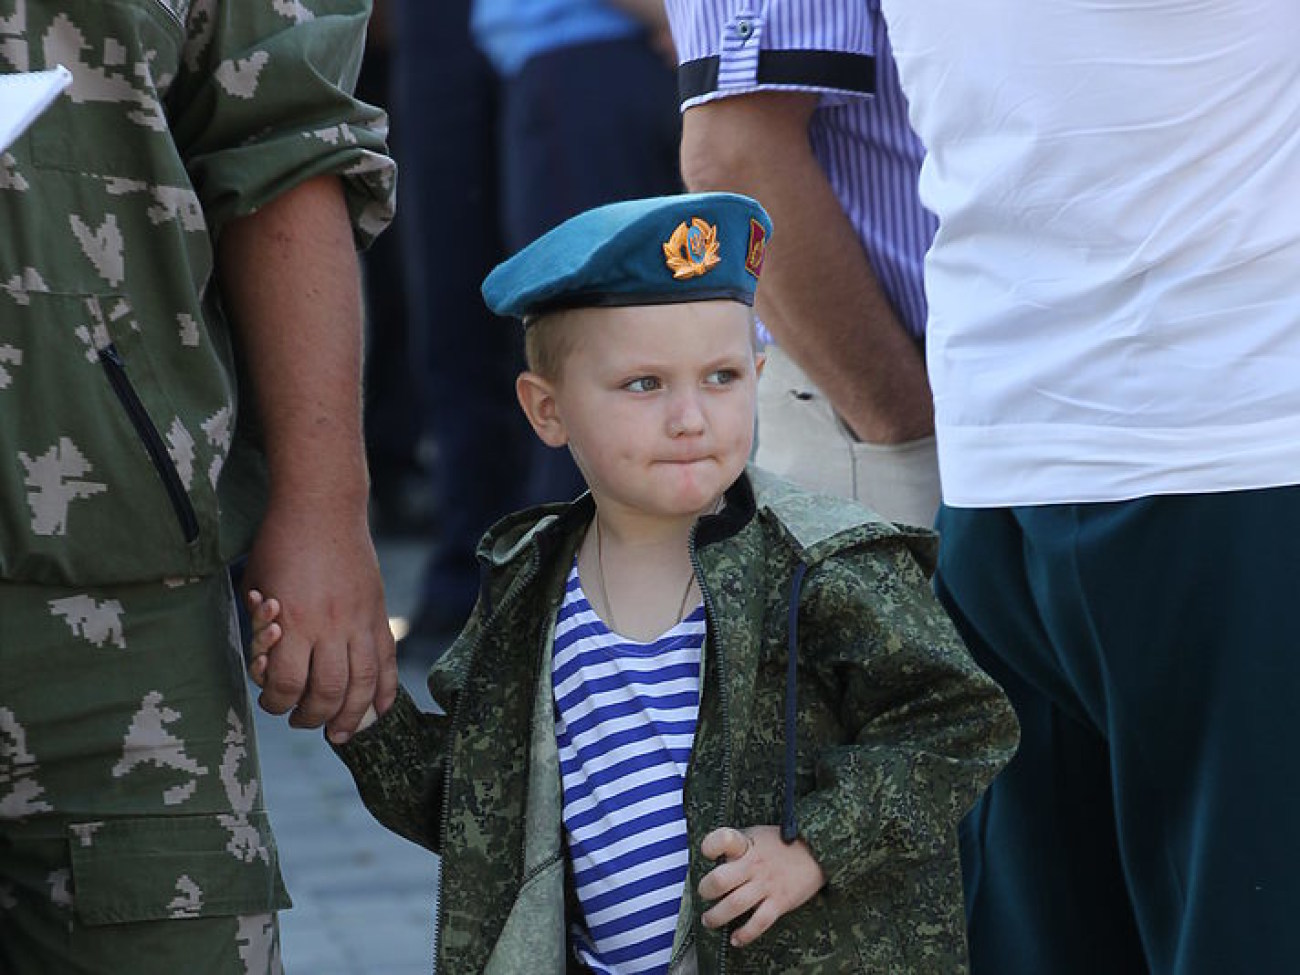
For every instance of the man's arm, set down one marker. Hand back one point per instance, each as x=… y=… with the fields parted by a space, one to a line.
x=819 y=296
x=290 y=282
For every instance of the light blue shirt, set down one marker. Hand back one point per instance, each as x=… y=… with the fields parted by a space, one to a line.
x=510 y=32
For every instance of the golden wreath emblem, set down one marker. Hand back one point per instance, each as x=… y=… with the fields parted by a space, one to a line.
x=692 y=250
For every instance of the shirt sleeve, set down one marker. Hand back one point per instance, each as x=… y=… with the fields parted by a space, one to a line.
x=932 y=729
x=263 y=101
x=734 y=47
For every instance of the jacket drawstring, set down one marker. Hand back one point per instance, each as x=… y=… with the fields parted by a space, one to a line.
x=789 y=826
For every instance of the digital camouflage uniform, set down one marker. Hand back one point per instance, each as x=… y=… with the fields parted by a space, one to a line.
x=132 y=831
x=897 y=733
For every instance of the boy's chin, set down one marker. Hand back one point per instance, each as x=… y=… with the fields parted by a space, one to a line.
x=702 y=498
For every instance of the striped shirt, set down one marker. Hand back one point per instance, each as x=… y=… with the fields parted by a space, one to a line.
x=859 y=134
x=625 y=722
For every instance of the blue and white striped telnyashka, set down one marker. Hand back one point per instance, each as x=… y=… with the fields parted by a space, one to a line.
x=625 y=721
x=860 y=134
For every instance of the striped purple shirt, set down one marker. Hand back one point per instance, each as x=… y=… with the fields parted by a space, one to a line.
x=860 y=133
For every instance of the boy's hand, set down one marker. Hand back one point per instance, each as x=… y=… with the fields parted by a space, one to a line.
x=757 y=871
x=264 y=614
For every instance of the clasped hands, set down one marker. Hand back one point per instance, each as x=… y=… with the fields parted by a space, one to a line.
x=334 y=658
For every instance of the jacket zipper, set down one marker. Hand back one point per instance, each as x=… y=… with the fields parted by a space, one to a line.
x=439 y=903
x=711 y=614
x=115 y=368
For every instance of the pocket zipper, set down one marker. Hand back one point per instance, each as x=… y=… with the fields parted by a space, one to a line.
x=152 y=440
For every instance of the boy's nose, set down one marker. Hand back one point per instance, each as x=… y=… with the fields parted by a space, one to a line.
x=686 y=417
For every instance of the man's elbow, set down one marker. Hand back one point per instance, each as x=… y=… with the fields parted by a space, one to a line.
x=715 y=156
x=744 y=142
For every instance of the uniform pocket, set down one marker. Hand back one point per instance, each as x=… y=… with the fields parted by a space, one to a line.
x=112 y=122
x=109 y=479
x=151 y=440
x=808 y=940
x=153 y=868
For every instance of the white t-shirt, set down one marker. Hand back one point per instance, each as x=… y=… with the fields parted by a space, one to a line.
x=1115 y=285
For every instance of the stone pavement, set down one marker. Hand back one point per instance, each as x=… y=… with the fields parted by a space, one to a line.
x=363 y=897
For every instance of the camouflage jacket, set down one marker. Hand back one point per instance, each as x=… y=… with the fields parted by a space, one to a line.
x=896 y=734
x=123 y=453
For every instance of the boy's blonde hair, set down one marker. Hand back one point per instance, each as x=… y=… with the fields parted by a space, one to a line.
x=547 y=343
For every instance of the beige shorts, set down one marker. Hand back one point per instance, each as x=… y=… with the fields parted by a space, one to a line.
x=801 y=438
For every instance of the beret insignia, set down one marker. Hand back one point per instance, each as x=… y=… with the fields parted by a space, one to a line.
x=692 y=250
x=757 y=248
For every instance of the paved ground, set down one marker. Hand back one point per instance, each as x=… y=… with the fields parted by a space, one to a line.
x=363 y=897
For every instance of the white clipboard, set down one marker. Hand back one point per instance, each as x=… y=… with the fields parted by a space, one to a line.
x=24 y=96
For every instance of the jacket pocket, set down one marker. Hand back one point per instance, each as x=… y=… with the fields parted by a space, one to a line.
x=112 y=122
x=152 y=868
x=810 y=940
x=107 y=474
x=152 y=441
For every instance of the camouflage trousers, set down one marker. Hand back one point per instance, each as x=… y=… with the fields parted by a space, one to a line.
x=133 y=836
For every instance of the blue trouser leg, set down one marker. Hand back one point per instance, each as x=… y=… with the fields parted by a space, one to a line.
x=1149 y=649
x=445 y=131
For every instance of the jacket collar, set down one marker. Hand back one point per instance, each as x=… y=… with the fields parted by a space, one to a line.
x=516 y=537
x=814 y=525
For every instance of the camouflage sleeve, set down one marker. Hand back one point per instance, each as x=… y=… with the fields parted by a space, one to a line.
x=263 y=101
x=397 y=764
x=933 y=729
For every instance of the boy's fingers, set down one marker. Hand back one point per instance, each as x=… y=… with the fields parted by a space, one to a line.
x=257 y=669
x=266 y=612
x=722 y=880
x=726 y=843
x=265 y=638
x=764 y=917
x=737 y=902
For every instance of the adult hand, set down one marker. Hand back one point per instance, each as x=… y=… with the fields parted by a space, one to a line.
x=290 y=282
x=759 y=872
x=336 y=655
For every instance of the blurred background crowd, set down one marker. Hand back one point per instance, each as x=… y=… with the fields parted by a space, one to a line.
x=508 y=116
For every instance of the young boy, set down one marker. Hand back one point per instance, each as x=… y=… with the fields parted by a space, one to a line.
x=699 y=720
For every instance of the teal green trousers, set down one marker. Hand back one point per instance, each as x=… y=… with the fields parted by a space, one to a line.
x=1151 y=819
x=133 y=836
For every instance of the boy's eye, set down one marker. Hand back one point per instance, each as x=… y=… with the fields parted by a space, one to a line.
x=721 y=377
x=643 y=384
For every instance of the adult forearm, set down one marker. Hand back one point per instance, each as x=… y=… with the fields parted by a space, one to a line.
x=819 y=296
x=290 y=283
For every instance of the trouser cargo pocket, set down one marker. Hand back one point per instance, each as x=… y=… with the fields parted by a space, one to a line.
x=166 y=867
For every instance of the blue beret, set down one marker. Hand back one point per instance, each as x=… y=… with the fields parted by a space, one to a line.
x=690 y=247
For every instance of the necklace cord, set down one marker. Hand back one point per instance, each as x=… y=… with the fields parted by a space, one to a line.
x=604 y=591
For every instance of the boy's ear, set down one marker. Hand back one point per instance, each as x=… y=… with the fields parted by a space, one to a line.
x=537 y=399
x=760 y=360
